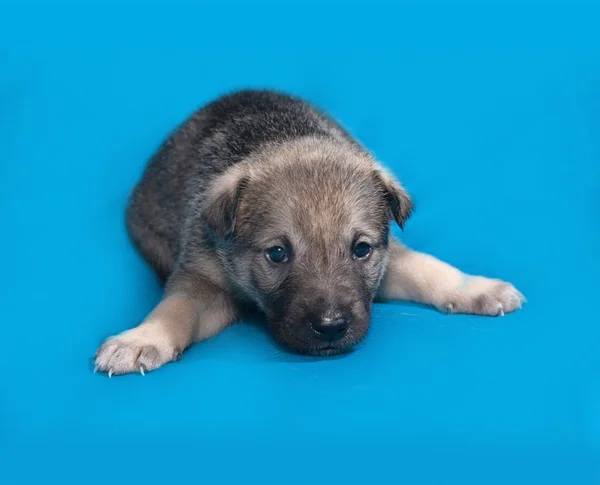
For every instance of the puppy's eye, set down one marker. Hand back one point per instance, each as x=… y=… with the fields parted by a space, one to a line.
x=276 y=254
x=361 y=251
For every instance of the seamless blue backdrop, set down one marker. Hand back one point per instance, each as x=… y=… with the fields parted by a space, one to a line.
x=489 y=112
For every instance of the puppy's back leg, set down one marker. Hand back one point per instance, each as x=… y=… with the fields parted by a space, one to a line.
x=424 y=279
x=189 y=311
x=154 y=249
x=149 y=229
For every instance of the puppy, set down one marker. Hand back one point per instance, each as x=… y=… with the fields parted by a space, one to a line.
x=261 y=200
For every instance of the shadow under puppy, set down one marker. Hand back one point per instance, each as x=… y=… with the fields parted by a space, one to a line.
x=260 y=199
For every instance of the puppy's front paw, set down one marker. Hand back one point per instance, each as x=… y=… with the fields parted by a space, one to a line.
x=484 y=296
x=136 y=350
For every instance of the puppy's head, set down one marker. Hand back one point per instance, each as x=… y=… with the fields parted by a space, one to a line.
x=304 y=233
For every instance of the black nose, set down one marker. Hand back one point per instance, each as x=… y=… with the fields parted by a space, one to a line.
x=330 y=328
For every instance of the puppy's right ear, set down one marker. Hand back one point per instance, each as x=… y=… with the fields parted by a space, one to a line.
x=400 y=203
x=221 y=203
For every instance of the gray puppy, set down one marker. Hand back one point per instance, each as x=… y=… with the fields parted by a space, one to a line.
x=262 y=201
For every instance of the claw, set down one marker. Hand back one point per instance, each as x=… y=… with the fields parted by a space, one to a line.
x=110 y=373
x=95 y=369
x=449 y=308
x=142 y=370
x=501 y=313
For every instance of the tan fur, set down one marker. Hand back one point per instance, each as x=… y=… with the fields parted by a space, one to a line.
x=421 y=278
x=187 y=314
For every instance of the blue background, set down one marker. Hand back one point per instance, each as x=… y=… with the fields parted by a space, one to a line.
x=489 y=112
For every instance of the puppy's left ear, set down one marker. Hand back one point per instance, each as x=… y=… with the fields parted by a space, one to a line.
x=400 y=203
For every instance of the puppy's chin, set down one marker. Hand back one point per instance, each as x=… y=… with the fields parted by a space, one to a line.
x=303 y=343
x=329 y=351
x=318 y=349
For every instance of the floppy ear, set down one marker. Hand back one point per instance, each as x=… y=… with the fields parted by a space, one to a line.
x=220 y=206
x=400 y=203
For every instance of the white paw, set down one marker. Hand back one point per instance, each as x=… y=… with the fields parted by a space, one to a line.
x=136 y=350
x=485 y=296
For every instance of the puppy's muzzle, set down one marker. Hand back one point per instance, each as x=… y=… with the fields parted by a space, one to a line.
x=330 y=326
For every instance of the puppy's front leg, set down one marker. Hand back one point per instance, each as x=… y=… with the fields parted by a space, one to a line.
x=189 y=312
x=424 y=279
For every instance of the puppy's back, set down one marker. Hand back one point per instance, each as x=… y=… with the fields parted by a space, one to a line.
x=237 y=124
